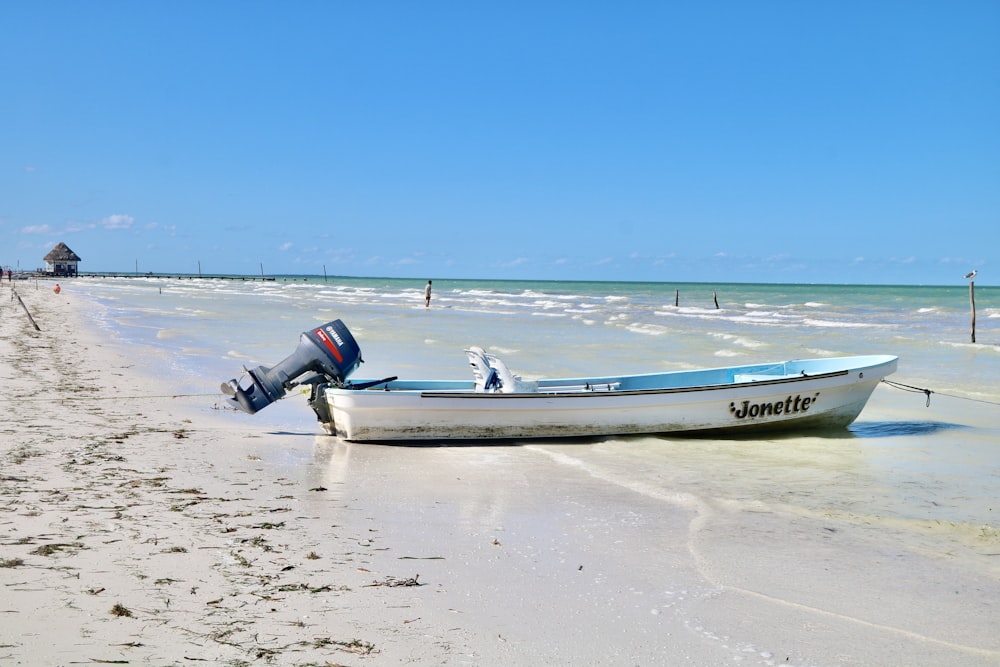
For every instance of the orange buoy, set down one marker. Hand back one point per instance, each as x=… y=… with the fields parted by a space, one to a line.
x=57 y=289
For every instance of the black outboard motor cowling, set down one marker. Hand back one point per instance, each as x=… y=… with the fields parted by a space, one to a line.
x=329 y=350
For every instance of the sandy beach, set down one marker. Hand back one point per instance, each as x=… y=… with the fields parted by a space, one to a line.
x=138 y=526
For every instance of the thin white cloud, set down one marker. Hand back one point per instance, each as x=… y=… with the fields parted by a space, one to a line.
x=962 y=261
x=117 y=221
x=285 y=246
x=36 y=229
x=73 y=227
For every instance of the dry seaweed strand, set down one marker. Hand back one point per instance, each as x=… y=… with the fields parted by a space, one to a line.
x=396 y=581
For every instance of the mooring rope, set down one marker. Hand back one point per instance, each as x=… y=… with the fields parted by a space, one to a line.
x=928 y=392
x=31 y=399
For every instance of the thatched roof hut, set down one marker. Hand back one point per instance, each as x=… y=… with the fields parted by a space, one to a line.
x=61 y=261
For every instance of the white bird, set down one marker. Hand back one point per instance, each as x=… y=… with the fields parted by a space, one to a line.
x=971 y=274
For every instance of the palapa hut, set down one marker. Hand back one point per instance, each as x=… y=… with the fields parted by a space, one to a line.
x=61 y=261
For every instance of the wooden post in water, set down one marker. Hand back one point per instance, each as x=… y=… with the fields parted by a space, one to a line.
x=715 y=298
x=677 y=298
x=262 y=270
x=324 y=273
x=972 y=302
x=971 y=277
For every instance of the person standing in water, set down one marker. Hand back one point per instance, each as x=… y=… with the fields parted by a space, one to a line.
x=427 y=295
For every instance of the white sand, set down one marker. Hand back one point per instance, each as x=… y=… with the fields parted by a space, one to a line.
x=226 y=542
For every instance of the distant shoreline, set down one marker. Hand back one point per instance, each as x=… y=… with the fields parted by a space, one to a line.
x=308 y=277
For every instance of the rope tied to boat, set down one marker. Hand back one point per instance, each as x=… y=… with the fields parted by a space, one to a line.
x=907 y=387
x=928 y=392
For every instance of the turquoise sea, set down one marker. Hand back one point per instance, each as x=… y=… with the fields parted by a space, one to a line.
x=557 y=328
x=924 y=470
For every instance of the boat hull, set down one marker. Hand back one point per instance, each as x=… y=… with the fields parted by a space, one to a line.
x=801 y=395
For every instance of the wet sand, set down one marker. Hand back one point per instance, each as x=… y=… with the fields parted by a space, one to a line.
x=143 y=527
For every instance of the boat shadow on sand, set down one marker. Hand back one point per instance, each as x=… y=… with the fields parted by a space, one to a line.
x=856 y=431
x=889 y=429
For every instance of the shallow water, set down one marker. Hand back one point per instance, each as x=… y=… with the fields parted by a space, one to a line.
x=922 y=470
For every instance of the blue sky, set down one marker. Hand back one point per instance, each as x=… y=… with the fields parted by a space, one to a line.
x=766 y=141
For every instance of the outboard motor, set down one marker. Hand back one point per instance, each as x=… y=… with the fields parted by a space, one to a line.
x=329 y=350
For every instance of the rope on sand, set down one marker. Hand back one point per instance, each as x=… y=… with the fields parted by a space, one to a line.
x=928 y=392
x=134 y=398
x=30 y=399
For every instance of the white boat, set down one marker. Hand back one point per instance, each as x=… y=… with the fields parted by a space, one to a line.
x=495 y=404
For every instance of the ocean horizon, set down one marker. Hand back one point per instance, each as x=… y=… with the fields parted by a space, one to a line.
x=310 y=277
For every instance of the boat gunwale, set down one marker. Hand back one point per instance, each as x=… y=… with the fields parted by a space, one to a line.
x=615 y=392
